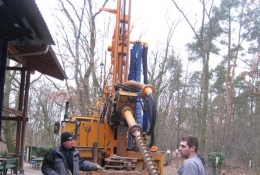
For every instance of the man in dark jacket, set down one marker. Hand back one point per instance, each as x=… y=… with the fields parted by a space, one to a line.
x=65 y=159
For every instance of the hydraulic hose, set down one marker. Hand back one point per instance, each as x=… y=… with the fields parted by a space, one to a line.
x=152 y=139
x=144 y=56
x=152 y=113
x=126 y=88
x=146 y=89
x=147 y=92
x=146 y=114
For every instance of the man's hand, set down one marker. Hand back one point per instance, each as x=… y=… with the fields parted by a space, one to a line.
x=99 y=167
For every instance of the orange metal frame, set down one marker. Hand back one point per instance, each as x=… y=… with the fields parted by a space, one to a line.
x=89 y=129
x=120 y=46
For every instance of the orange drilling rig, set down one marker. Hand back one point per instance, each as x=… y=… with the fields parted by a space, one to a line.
x=116 y=137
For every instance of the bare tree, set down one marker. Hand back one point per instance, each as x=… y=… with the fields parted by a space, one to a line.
x=77 y=36
x=11 y=99
x=43 y=112
x=234 y=19
x=201 y=49
x=165 y=72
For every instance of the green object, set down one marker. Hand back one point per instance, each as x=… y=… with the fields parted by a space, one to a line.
x=3 y=154
x=9 y=164
x=213 y=156
x=41 y=151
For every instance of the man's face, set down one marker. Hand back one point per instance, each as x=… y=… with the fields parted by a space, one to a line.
x=68 y=144
x=185 y=150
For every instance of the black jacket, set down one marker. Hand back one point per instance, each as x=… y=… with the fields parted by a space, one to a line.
x=53 y=163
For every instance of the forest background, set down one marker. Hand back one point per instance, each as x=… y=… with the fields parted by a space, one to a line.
x=203 y=66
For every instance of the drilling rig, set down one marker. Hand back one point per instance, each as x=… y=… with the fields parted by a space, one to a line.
x=116 y=136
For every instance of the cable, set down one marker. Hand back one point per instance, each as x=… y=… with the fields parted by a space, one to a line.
x=152 y=113
x=126 y=88
x=144 y=55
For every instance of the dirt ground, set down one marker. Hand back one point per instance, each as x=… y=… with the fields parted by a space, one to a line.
x=170 y=169
x=28 y=170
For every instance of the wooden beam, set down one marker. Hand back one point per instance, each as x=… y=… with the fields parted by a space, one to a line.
x=14 y=68
x=13 y=50
x=12 y=118
x=12 y=111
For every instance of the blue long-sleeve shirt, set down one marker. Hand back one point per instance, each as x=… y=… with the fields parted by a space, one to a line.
x=192 y=166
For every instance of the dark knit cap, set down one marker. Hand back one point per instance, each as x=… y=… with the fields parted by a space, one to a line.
x=65 y=136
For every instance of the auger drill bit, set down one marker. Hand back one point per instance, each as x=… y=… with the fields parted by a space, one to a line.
x=135 y=130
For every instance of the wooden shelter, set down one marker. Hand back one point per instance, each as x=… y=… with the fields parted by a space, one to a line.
x=24 y=38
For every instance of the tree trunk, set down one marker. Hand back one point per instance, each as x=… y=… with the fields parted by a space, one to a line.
x=205 y=102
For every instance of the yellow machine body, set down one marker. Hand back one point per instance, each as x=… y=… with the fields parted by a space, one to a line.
x=89 y=130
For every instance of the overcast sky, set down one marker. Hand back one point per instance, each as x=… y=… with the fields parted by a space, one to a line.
x=150 y=17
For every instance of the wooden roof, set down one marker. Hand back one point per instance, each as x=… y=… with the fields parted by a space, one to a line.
x=30 y=39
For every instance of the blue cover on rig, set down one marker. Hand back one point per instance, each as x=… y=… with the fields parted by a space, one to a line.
x=135 y=63
x=135 y=74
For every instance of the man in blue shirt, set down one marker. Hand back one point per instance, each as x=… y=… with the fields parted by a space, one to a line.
x=194 y=164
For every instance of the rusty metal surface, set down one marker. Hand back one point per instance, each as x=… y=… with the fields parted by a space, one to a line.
x=121 y=144
x=121 y=163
